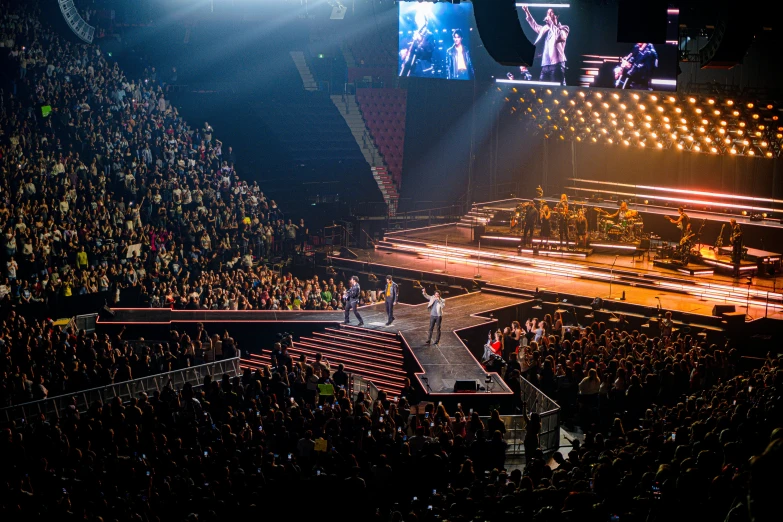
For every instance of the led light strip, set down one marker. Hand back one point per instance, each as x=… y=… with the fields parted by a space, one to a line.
x=529 y=82
x=678 y=200
x=544 y=5
x=681 y=191
x=670 y=83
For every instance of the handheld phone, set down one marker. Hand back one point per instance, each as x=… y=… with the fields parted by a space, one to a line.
x=404 y=438
x=289 y=456
x=427 y=415
x=432 y=424
x=674 y=436
x=144 y=455
x=429 y=507
x=318 y=473
x=291 y=399
x=735 y=402
x=258 y=470
x=591 y=483
x=260 y=428
x=277 y=456
x=614 y=518
x=399 y=429
x=656 y=490
x=148 y=473
x=320 y=407
x=434 y=491
x=414 y=498
x=380 y=419
x=205 y=453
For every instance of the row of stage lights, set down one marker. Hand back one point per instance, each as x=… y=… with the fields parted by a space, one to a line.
x=704 y=124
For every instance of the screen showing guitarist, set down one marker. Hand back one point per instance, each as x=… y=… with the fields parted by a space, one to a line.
x=417 y=58
x=636 y=70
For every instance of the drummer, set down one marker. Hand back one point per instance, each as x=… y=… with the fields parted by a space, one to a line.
x=623 y=213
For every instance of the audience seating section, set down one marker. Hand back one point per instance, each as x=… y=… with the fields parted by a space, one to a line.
x=384 y=114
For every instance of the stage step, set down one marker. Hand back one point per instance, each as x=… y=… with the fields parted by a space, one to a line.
x=392 y=352
x=362 y=334
x=334 y=356
x=348 y=351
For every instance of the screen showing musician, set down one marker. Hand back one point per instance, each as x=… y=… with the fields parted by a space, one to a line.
x=579 y=47
x=435 y=40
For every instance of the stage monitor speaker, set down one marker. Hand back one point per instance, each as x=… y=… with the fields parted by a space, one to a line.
x=718 y=310
x=734 y=320
x=347 y=253
x=642 y=21
x=729 y=42
x=501 y=32
x=465 y=386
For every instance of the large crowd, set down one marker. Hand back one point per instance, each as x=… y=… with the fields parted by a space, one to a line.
x=104 y=186
x=111 y=189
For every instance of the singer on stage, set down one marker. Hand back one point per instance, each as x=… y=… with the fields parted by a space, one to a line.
x=391 y=293
x=351 y=297
x=435 y=306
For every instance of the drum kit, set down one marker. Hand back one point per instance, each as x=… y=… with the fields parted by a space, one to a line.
x=626 y=230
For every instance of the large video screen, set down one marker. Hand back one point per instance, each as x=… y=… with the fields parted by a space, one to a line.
x=437 y=40
x=576 y=44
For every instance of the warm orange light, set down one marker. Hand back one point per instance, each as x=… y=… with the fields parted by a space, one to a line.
x=727 y=141
x=735 y=113
x=678 y=110
x=750 y=106
x=626 y=143
x=769 y=154
x=722 y=131
x=698 y=111
x=642 y=107
x=742 y=124
x=616 y=96
x=723 y=123
x=666 y=119
x=635 y=96
x=582 y=94
x=623 y=106
x=729 y=102
x=660 y=109
x=692 y=99
x=711 y=101
x=697 y=148
x=764 y=144
x=713 y=150
x=716 y=112
x=672 y=99
x=594 y=140
x=769 y=106
x=733 y=151
x=659 y=145
x=751 y=153
x=654 y=98
x=680 y=146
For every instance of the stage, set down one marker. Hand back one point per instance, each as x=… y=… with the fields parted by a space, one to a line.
x=435 y=367
x=451 y=249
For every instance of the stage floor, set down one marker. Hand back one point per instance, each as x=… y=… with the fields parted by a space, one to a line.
x=562 y=280
x=441 y=365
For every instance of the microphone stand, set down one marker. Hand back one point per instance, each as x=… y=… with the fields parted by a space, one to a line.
x=611 y=275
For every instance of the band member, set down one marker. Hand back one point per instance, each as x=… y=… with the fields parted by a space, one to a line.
x=554 y=34
x=636 y=70
x=524 y=74
x=530 y=222
x=351 y=297
x=623 y=213
x=686 y=243
x=417 y=58
x=683 y=221
x=391 y=293
x=562 y=209
x=581 y=229
x=546 y=222
x=736 y=245
x=459 y=64
x=435 y=306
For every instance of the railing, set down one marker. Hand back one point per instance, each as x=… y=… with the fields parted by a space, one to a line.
x=82 y=400
x=425 y=217
x=358 y=384
x=516 y=425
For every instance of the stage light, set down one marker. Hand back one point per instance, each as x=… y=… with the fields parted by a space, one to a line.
x=755 y=116
x=642 y=144
x=779 y=136
x=742 y=124
x=701 y=129
x=761 y=127
x=769 y=154
x=744 y=212
x=690 y=138
x=564 y=92
x=614 y=122
x=740 y=132
x=735 y=113
x=666 y=119
x=723 y=123
x=626 y=143
x=582 y=120
x=750 y=106
x=729 y=102
x=594 y=140
x=572 y=102
x=582 y=94
x=589 y=104
x=698 y=111
x=733 y=151
x=727 y=141
x=678 y=110
x=660 y=109
x=667 y=126
x=707 y=139
x=540 y=100
x=716 y=112
x=769 y=106
x=654 y=135
x=713 y=150
x=672 y=99
x=697 y=148
x=604 y=131
x=648 y=125
x=610 y=141
x=692 y=99
x=758 y=134
x=623 y=106
x=557 y=102
x=635 y=96
x=721 y=131
x=711 y=101
x=636 y=133
x=654 y=98
x=659 y=145
x=679 y=146
x=629 y=116
x=751 y=153
x=606 y=105
x=616 y=96
x=642 y=107
x=764 y=144
x=548 y=91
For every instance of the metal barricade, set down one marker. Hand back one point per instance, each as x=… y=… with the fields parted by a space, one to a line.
x=547 y=409
x=81 y=401
x=360 y=384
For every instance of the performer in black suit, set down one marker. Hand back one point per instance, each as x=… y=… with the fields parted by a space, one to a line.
x=736 y=246
x=391 y=293
x=351 y=297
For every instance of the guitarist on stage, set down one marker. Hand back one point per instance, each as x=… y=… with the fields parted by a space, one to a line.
x=683 y=222
x=736 y=246
x=419 y=51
